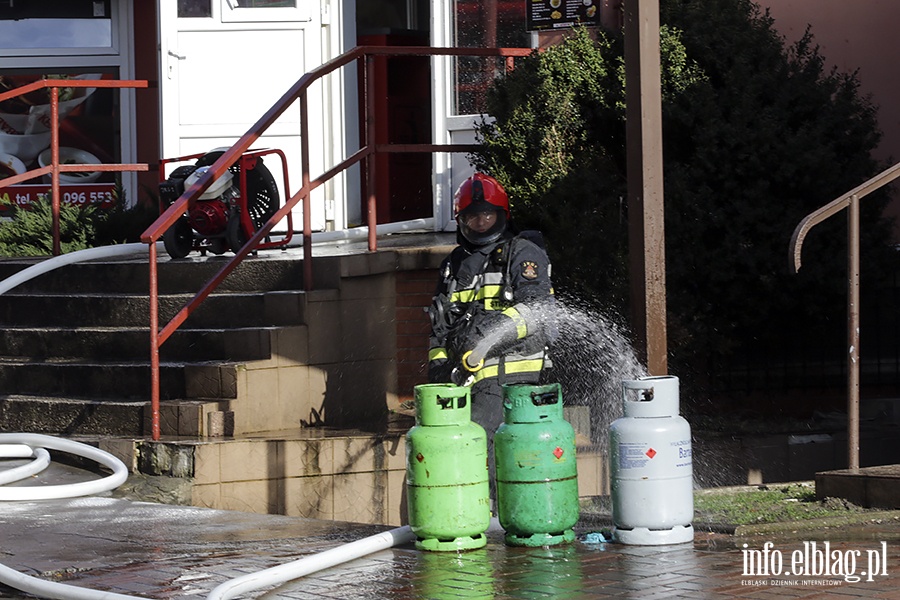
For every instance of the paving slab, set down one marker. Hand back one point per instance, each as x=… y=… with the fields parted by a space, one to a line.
x=157 y=551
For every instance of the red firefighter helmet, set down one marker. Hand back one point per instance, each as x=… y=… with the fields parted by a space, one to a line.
x=481 y=208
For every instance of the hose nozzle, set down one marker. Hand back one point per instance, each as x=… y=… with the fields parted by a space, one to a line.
x=473 y=361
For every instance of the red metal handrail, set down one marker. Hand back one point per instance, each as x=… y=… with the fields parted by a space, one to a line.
x=54 y=168
x=297 y=92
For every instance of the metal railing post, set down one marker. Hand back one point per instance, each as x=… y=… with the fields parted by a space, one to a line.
x=371 y=159
x=154 y=345
x=306 y=191
x=853 y=333
x=54 y=174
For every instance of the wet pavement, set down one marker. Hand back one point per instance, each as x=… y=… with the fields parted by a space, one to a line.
x=146 y=550
x=165 y=552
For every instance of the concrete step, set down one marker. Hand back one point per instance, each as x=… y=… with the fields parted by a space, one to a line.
x=259 y=355
x=197 y=398
x=129 y=381
x=114 y=417
x=175 y=276
x=870 y=487
x=319 y=473
x=133 y=343
x=72 y=416
x=238 y=309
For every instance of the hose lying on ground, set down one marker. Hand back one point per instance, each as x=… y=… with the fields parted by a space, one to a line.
x=70 y=490
x=25 y=445
x=229 y=589
x=313 y=563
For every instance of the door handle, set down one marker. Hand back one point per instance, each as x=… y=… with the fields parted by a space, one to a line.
x=170 y=66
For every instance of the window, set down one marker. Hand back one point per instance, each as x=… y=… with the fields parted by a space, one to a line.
x=191 y=9
x=53 y=24
x=266 y=3
x=247 y=10
x=241 y=11
x=480 y=24
x=89 y=132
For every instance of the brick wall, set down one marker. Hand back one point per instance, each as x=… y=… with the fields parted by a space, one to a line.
x=414 y=292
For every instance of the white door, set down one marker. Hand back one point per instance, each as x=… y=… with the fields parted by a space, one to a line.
x=460 y=84
x=449 y=127
x=226 y=62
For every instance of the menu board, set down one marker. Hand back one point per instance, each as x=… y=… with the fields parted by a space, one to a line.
x=87 y=134
x=558 y=14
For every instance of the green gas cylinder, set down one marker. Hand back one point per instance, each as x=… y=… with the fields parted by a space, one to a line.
x=448 y=496
x=537 y=475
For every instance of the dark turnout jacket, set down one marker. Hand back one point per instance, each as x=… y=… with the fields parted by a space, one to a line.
x=496 y=300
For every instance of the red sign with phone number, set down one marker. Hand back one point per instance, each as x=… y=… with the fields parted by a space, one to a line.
x=101 y=195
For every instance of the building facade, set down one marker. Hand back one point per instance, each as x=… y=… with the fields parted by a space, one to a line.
x=215 y=66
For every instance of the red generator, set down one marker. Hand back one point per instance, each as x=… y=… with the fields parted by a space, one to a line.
x=230 y=211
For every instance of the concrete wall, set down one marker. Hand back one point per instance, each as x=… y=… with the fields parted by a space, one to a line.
x=378 y=333
x=855 y=35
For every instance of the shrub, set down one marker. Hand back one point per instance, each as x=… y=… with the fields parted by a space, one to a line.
x=757 y=134
x=29 y=231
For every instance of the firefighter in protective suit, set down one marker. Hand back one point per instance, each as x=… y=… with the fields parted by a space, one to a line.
x=492 y=315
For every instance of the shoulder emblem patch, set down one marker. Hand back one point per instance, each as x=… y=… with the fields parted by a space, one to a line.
x=529 y=270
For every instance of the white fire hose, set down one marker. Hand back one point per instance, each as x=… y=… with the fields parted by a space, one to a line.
x=26 y=445
x=22 y=445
